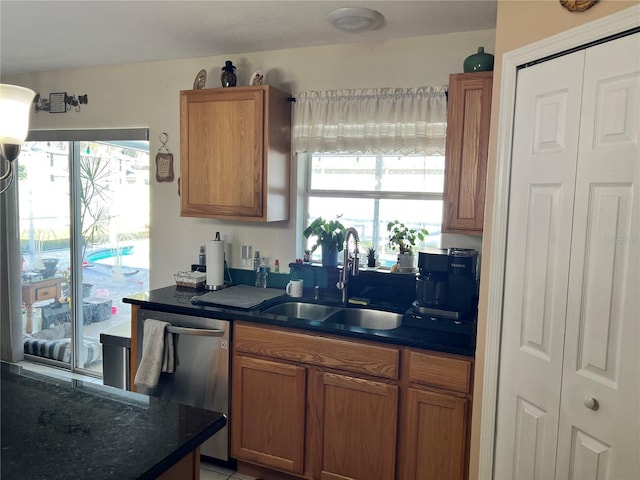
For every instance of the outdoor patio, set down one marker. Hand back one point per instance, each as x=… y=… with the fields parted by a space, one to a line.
x=109 y=285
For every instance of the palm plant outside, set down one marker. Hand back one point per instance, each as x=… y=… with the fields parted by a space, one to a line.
x=95 y=198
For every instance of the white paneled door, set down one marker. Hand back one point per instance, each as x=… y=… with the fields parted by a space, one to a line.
x=569 y=383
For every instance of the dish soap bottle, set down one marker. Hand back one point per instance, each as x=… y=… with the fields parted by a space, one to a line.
x=256 y=261
x=261 y=277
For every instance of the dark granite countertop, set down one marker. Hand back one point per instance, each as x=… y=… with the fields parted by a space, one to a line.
x=54 y=428
x=175 y=299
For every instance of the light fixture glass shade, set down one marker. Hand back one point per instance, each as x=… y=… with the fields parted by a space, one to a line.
x=15 y=107
x=355 y=19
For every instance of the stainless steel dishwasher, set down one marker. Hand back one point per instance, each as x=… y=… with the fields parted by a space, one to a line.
x=201 y=375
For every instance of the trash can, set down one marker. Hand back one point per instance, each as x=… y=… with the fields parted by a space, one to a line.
x=116 y=356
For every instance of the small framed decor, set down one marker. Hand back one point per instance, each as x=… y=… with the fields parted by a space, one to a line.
x=57 y=102
x=164 y=161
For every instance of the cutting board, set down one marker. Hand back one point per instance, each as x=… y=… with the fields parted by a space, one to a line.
x=239 y=296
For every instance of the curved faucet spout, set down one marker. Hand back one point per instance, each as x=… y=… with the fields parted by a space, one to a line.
x=350 y=264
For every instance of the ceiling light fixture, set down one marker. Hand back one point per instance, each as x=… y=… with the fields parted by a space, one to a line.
x=355 y=19
x=15 y=106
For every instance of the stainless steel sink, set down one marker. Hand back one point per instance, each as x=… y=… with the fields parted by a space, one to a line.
x=356 y=317
x=305 y=311
x=366 y=318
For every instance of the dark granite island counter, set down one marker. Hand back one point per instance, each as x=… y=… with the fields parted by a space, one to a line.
x=54 y=428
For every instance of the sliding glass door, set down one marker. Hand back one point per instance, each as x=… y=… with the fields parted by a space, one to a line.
x=84 y=213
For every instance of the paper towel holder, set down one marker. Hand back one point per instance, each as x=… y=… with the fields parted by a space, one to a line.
x=213 y=287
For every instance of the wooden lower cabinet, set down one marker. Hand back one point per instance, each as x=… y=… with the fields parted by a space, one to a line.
x=354 y=423
x=434 y=431
x=186 y=469
x=268 y=413
x=326 y=408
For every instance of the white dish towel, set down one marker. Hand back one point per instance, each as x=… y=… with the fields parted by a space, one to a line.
x=157 y=353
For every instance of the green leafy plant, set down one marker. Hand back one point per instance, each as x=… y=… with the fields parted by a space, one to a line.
x=403 y=238
x=328 y=233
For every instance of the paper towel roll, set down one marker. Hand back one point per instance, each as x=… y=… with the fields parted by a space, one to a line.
x=215 y=264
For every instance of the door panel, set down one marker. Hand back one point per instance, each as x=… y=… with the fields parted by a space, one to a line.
x=589 y=458
x=568 y=404
x=268 y=413
x=602 y=359
x=531 y=423
x=538 y=248
x=358 y=427
x=435 y=435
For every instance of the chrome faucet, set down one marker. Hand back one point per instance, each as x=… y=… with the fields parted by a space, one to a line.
x=349 y=262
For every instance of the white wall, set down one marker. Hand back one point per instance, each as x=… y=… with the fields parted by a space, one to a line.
x=146 y=95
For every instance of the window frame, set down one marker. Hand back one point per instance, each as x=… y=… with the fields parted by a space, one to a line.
x=309 y=192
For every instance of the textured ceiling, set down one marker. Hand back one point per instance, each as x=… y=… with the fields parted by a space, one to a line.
x=47 y=35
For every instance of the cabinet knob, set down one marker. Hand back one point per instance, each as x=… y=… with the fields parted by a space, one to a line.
x=591 y=403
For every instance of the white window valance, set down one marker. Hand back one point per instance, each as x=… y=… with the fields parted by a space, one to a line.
x=385 y=120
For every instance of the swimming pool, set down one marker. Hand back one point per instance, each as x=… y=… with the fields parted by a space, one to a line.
x=103 y=253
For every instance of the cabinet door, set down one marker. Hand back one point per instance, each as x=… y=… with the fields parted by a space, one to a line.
x=352 y=427
x=434 y=433
x=468 y=118
x=221 y=145
x=268 y=413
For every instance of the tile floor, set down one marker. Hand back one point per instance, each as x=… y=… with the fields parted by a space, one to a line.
x=209 y=471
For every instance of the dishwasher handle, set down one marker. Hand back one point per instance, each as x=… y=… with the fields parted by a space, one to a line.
x=198 y=332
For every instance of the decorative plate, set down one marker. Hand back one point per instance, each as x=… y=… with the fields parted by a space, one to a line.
x=200 y=80
x=257 y=78
x=578 y=5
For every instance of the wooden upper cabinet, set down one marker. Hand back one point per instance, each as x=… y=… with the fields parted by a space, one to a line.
x=235 y=152
x=468 y=118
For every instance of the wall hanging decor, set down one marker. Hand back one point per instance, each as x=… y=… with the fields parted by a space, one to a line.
x=164 y=161
x=59 y=102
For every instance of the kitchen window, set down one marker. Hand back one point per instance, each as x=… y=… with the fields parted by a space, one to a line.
x=368 y=191
x=401 y=175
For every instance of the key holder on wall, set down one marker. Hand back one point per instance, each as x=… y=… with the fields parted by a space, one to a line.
x=164 y=161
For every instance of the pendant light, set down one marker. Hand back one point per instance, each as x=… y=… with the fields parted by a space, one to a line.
x=15 y=107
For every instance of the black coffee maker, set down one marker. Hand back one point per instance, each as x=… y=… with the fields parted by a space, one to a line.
x=446 y=292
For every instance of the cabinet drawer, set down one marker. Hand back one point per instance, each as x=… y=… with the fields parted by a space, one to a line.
x=357 y=357
x=45 y=293
x=437 y=370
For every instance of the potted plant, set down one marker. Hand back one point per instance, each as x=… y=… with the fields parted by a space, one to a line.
x=371 y=257
x=403 y=239
x=329 y=236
